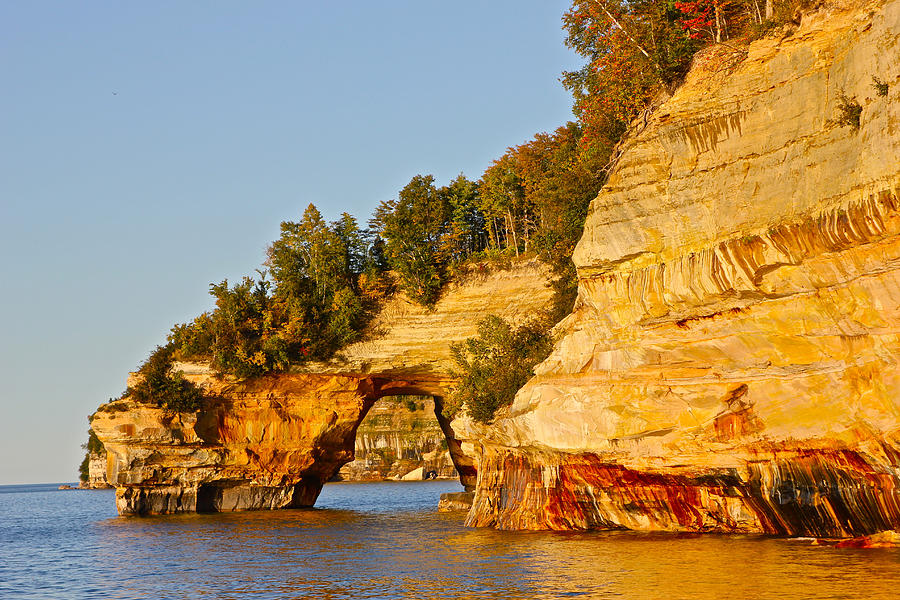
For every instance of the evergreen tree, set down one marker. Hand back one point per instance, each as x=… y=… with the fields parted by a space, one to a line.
x=465 y=232
x=413 y=226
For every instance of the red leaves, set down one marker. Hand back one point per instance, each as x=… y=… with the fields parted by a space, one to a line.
x=699 y=17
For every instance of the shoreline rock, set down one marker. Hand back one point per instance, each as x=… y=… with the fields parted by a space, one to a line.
x=455 y=501
x=273 y=441
x=732 y=363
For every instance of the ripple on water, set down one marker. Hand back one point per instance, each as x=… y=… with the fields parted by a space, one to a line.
x=388 y=541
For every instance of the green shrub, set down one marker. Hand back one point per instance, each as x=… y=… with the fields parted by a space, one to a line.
x=327 y=282
x=494 y=364
x=84 y=468
x=92 y=446
x=161 y=386
x=850 y=111
x=881 y=88
x=414 y=227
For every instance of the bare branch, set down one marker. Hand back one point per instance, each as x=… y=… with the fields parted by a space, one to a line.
x=625 y=31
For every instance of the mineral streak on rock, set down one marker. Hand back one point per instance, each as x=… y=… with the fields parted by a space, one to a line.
x=731 y=363
x=273 y=441
x=821 y=493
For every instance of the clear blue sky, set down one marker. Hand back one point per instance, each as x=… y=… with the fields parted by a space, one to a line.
x=150 y=148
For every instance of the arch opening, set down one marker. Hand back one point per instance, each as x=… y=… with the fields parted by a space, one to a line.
x=400 y=438
x=402 y=434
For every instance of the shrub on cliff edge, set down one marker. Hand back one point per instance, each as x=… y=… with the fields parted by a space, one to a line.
x=162 y=386
x=494 y=364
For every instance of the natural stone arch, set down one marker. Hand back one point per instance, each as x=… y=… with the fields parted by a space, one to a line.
x=400 y=439
x=231 y=493
x=437 y=390
x=267 y=443
x=273 y=441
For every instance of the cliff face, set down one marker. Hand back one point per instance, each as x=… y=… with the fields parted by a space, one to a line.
x=400 y=438
x=732 y=361
x=272 y=442
x=96 y=473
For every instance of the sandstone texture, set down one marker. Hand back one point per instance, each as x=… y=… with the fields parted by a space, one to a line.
x=96 y=473
x=731 y=363
x=272 y=442
x=400 y=438
x=413 y=340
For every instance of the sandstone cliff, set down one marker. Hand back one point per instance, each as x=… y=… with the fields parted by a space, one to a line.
x=273 y=441
x=96 y=473
x=400 y=438
x=732 y=361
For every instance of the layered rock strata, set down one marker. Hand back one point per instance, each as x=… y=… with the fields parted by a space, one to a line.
x=96 y=473
x=731 y=364
x=272 y=442
x=400 y=438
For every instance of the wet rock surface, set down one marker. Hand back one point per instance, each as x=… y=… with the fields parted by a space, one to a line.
x=456 y=501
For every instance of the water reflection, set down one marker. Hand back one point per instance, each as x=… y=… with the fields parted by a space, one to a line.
x=387 y=541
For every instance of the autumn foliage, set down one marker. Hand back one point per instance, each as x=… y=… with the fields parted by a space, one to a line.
x=633 y=51
x=322 y=282
x=636 y=49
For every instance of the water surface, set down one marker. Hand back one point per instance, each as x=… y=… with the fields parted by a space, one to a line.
x=388 y=541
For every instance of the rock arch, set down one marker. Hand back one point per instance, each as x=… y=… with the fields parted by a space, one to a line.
x=273 y=441
x=402 y=433
x=267 y=443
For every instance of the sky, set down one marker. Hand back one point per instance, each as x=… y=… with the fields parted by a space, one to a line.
x=148 y=149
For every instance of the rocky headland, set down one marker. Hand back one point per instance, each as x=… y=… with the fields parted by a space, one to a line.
x=731 y=364
x=273 y=441
x=96 y=473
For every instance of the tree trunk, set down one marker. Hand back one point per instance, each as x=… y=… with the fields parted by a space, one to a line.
x=493 y=242
x=770 y=10
x=526 y=227
x=625 y=31
x=513 y=227
x=719 y=24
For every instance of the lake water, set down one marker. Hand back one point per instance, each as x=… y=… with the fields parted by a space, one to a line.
x=388 y=541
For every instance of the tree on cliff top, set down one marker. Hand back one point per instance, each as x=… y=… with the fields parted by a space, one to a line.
x=159 y=384
x=637 y=48
x=545 y=186
x=310 y=258
x=634 y=49
x=413 y=226
x=326 y=283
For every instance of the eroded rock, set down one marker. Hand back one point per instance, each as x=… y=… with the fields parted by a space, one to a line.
x=398 y=436
x=273 y=441
x=732 y=361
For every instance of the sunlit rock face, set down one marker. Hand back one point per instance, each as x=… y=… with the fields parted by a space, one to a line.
x=268 y=443
x=273 y=441
x=96 y=473
x=731 y=362
x=400 y=438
